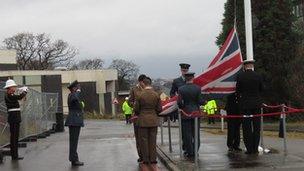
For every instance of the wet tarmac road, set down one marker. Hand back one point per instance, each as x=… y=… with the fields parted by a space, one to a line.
x=213 y=155
x=103 y=146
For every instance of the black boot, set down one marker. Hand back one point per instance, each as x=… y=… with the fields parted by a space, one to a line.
x=17 y=158
x=77 y=163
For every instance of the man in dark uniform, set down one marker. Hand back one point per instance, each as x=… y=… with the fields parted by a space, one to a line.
x=249 y=87
x=74 y=121
x=14 y=115
x=134 y=94
x=148 y=105
x=189 y=100
x=234 y=124
x=176 y=84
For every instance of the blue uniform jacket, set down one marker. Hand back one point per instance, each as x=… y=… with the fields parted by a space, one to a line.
x=176 y=84
x=190 y=98
x=75 y=116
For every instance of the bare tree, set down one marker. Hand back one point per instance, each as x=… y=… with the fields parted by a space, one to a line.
x=88 y=64
x=39 y=52
x=127 y=72
x=24 y=43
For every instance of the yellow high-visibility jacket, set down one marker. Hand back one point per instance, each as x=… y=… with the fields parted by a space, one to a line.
x=127 y=110
x=210 y=108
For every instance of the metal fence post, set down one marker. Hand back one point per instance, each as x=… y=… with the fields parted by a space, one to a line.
x=40 y=116
x=180 y=134
x=45 y=112
x=262 y=129
x=196 y=141
x=161 y=132
x=284 y=129
x=169 y=134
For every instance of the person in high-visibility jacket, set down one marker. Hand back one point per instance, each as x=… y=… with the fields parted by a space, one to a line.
x=127 y=110
x=210 y=108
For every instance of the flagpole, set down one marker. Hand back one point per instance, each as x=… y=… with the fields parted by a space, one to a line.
x=248 y=28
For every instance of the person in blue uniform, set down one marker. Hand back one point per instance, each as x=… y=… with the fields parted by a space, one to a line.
x=176 y=84
x=14 y=115
x=189 y=100
x=74 y=121
x=249 y=87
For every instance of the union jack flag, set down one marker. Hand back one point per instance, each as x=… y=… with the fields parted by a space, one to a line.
x=220 y=77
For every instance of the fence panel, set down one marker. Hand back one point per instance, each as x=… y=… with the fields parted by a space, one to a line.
x=38 y=113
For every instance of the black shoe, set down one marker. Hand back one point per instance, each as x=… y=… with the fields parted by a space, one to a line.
x=17 y=158
x=248 y=152
x=230 y=150
x=1 y=158
x=139 y=160
x=237 y=149
x=185 y=154
x=190 y=157
x=77 y=163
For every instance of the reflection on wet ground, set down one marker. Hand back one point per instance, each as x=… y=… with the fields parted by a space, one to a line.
x=103 y=146
x=214 y=155
x=238 y=160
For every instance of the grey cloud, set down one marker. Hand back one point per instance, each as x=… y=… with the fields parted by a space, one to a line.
x=141 y=30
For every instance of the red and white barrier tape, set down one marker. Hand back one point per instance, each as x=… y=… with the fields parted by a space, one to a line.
x=195 y=114
x=198 y=114
x=271 y=107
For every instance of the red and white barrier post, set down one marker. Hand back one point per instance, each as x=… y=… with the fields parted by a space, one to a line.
x=222 y=119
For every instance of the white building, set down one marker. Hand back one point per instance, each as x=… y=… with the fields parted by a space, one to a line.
x=98 y=86
x=8 y=60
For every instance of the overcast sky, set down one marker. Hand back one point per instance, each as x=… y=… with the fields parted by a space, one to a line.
x=155 y=34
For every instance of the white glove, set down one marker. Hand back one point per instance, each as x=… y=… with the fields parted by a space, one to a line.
x=23 y=89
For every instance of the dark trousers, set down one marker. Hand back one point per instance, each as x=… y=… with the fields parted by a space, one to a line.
x=173 y=116
x=211 y=120
x=137 y=140
x=188 y=136
x=74 y=136
x=14 y=129
x=128 y=119
x=233 y=134
x=148 y=143
x=251 y=130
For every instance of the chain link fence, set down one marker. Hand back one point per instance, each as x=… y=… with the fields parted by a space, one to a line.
x=38 y=112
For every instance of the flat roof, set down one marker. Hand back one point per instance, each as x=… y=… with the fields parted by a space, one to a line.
x=107 y=74
x=8 y=56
